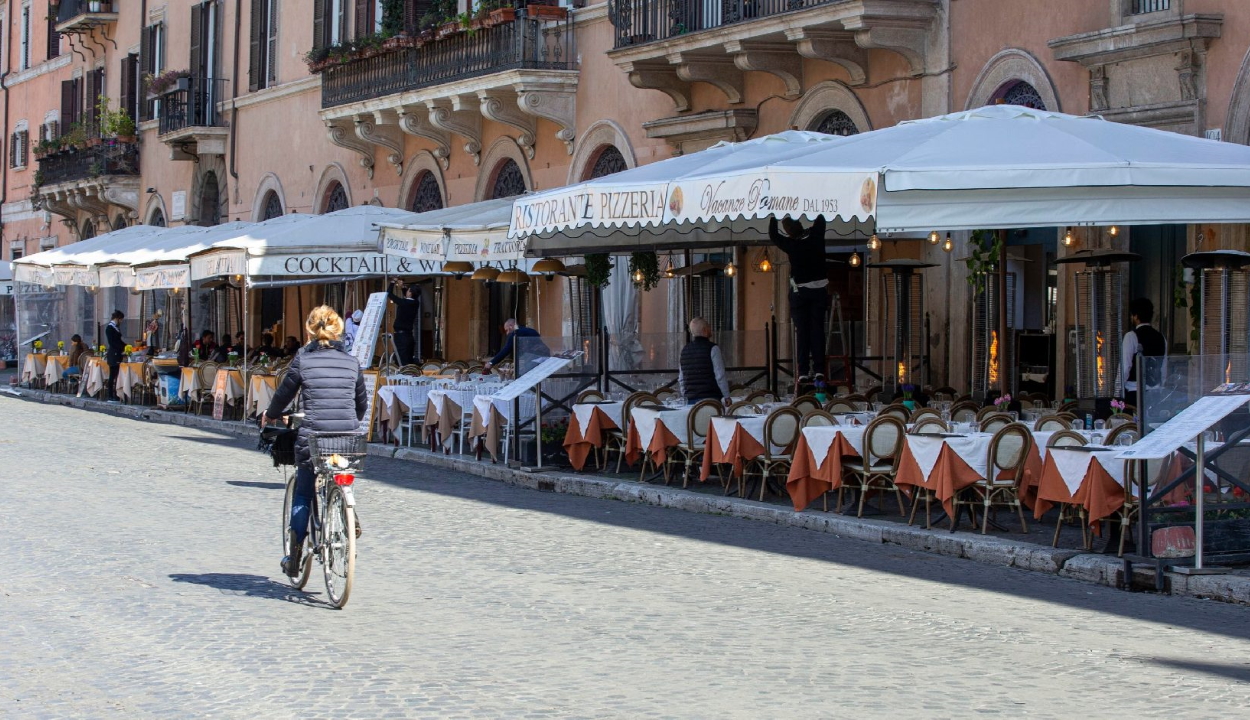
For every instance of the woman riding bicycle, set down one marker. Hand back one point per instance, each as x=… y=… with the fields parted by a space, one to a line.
x=334 y=400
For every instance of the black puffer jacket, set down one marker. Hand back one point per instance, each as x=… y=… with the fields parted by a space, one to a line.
x=333 y=391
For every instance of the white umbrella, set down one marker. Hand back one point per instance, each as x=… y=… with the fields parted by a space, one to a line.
x=1000 y=166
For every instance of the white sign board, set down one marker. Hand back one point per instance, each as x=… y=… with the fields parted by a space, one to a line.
x=541 y=371
x=163 y=277
x=75 y=276
x=412 y=245
x=178 y=205
x=344 y=264
x=117 y=276
x=371 y=390
x=1187 y=425
x=367 y=333
x=218 y=264
x=6 y=287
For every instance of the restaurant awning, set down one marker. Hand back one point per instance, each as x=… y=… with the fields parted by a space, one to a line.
x=6 y=278
x=476 y=232
x=1000 y=166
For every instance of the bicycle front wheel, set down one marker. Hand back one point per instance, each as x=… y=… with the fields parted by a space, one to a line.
x=299 y=581
x=339 y=547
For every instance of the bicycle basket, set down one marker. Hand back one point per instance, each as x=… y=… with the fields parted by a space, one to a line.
x=336 y=452
x=280 y=444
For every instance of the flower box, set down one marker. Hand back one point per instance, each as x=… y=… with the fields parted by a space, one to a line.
x=547 y=12
x=503 y=15
x=448 y=29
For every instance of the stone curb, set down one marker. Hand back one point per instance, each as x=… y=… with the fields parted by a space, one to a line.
x=1076 y=565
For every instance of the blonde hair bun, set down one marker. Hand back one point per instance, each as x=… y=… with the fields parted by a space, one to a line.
x=324 y=325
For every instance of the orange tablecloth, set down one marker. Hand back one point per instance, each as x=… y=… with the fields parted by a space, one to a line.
x=1099 y=493
x=661 y=441
x=808 y=480
x=578 y=442
x=952 y=474
x=741 y=449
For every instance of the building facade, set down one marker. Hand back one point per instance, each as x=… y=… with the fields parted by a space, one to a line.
x=248 y=109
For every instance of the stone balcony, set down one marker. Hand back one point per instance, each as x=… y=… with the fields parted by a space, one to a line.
x=667 y=45
x=513 y=72
x=90 y=180
x=85 y=16
x=190 y=122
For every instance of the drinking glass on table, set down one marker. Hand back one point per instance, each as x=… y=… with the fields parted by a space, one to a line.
x=946 y=416
x=1096 y=438
x=974 y=427
x=1124 y=439
x=1013 y=415
x=1100 y=425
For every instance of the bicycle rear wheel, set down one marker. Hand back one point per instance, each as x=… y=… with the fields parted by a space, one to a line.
x=299 y=581
x=339 y=547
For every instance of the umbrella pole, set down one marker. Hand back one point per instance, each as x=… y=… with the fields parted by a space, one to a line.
x=1002 y=311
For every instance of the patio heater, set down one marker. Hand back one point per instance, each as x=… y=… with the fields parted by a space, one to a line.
x=1100 y=318
x=905 y=349
x=1224 y=333
x=989 y=353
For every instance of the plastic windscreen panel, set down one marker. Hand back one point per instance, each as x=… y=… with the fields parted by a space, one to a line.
x=580 y=373
x=1176 y=382
x=44 y=310
x=1099 y=314
x=8 y=328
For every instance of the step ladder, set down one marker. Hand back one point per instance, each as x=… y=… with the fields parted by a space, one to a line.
x=837 y=349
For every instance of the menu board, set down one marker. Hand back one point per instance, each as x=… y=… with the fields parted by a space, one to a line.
x=371 y=391
x=219 y=394
x=367 y=333
x=541 y=371
x=1187 y=425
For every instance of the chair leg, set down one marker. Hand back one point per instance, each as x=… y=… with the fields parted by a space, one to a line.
x=863 y=494
x=1024 y=527
x=985 y=522
x=915 y=504
x=928 y=504
x=1058 y=525
x=898 y=496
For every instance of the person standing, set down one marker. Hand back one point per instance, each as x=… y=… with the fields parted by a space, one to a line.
x=702 y=371
x=407 y=307
x=1142 y=340
x=809 y=293
x=351 y=326
x=116 y=348
x=529 y=352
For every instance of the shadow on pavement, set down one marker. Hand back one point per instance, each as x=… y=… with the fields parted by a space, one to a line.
x=250 y=586
x=262 y=485
x=795 y=542
x=1240 y=673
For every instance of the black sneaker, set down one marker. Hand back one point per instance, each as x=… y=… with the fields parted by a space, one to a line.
x=291 y=563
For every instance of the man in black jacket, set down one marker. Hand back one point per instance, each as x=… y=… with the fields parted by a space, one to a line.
x=701 y=375
x=407 y=308
x=809 y=294
x=116 y=349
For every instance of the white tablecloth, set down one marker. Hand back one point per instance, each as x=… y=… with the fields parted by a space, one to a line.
x=54 y=368
x=972 y=449
x=1074 y=464
x=614 y=411
x=94 y=377
x=234 y=385
x=644 y=422
x=752 y=425
x=394 y=400
x=35 y=366
x=263 y=389
x=820 y=439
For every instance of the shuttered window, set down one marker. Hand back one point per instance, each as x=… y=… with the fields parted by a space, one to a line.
x=54 y=37
x=130 y=83
x=19 y=149
x=262 y=61
x=151 y=62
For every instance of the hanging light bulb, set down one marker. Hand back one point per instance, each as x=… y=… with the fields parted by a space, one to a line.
x=854 y=259
x=934 y=238
x=874 y=243
x=637 y=276
x=730 y=270
x=948 y=245
x=765 y=266
x=1068 y=238
x=1114 y=231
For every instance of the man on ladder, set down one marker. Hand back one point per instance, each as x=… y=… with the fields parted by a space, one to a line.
x=809 y=294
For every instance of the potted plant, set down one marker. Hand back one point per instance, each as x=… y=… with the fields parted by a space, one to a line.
x=167 y=82
x=598 y=269
x=502 y=12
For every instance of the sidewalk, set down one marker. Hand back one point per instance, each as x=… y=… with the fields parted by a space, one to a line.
x=1014 y=552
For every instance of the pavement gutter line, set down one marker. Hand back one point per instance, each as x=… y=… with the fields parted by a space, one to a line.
x=1073 y=564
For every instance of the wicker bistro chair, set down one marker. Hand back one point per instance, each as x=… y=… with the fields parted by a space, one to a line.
x=883 y=446
x=206 y=374
x=965 y=411
x=665 y=392
x=432 y=367
x=740 y=409
x=898 y=411
x=589 y=396
x=921 y=413
x=1070 y=406
x=689 y=453
x=780 y=429
x=1067 y=511
x=929 y=425
x=1121 y=416
x=987 y=410
x=761 y=396
x=839 y=405
x=1129 y=429
x=1051 y=422
x=1009 y=450
x=616 y=440
x=818 y=418
x=806 y=403
x=993 y=422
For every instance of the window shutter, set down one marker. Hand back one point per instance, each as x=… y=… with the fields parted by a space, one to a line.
x=144 y=69
x=13 y=150
x=54 y=37
x=363 y=26
x=319 y=24
x=128 y=85
x=196 y=64
x=255 y=64
x=24 y=145
x=67 y=103
x=271 y=48
x=219 y=16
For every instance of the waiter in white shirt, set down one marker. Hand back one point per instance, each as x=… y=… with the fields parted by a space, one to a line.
x=1142 y=340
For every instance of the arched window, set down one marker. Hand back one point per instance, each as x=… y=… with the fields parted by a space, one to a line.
x=1020 y=93
x=210 y=201
x=87 y=231
x=336 y=198
x=610 y=161
x=426 y=196
x=836 y=122
x=157 y=219
x=508 y=181
x=272 y=206
x=119 y=222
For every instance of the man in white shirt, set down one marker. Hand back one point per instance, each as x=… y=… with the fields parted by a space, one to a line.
x=702 y=370
x=1141 y=340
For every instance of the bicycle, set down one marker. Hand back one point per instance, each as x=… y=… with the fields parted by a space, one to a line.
x=331 y=539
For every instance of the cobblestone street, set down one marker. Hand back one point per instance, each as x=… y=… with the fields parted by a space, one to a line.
x=141 y=581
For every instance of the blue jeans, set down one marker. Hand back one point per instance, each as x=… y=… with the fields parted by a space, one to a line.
x=301 y=501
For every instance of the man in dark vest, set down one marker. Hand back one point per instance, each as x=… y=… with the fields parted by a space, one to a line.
x=1142 y=340
x=702 y=373
x=116 y=349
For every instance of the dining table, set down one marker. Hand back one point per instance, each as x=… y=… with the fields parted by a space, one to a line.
x=734 y=440
x=948 y=463
x=816 y=465
x=189 y=382
x=491 y=415
x=396 y=401
x=263 y=386
x=233 y=385
x=94 y=377
x=1090 y=477
x=444 y=410
x=654 y=429
x=35 y=366
x=54 y=369
x=129 y=374
x=589 y=427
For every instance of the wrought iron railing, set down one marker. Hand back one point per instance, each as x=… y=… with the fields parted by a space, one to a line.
x=643 y=21
x=195 y=106
x=1141 y=7
x=108 y=158
x=523 y=43
x=70 y=9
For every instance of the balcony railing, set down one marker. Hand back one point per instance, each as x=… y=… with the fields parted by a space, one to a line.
x=195 y=106
x=644 y=21
x=108 y=158
x=84 y=14
x=523 y=43
x=1141 y=7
